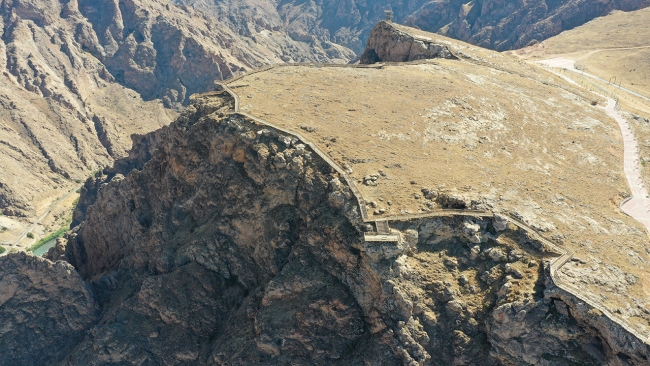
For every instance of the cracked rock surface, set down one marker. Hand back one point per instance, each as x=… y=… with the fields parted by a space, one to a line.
x=209 y=252
x=45 y=309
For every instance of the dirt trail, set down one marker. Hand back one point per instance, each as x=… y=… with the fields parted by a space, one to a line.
x=565 y=63
x=638 y=205
x=611 y=49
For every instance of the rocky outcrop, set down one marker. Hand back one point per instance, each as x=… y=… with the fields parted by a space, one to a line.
x=533 y=332
x=530 y=333
x=388 y=43
x=248 y=227
x=45 y=307
x=233 y=243
x=143 y=148
x=66 y=64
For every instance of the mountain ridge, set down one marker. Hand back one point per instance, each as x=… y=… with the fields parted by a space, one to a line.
x=223 y=240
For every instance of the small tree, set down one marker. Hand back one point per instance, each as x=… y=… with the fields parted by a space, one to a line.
x=30 y=235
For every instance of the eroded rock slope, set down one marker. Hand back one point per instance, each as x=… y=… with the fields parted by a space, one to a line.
x=503 y=25
x=80 y=77
x=45 y=309
x=236 y=244
x=495 y=24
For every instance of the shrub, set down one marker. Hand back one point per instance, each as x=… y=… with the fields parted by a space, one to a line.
x=57 y=234
x=2 y=249
x=595 y=313
x=30 y=235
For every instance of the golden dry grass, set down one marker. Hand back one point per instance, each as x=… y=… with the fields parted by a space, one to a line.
x=508 y=142
x=617 y=45
x=617 y=30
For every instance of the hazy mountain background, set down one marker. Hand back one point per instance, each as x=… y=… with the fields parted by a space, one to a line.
x=495 y=24
x=79 y=77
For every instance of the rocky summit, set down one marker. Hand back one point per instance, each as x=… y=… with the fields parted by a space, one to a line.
x=385 y=213
x=81 y=78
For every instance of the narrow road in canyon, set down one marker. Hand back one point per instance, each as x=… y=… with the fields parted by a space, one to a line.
x=39 y=219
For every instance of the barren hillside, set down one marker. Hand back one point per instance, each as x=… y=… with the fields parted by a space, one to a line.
x=79 y=78
x=274 y=222
x=494 y=24
x=616 y=50
x=617 y=45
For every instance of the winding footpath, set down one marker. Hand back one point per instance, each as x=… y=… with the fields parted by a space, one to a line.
x=570 y=65
x=39 y=219
x=638 y=205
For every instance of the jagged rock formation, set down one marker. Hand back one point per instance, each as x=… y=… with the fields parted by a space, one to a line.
x=45 y=310
x=65 y=113
x=234 y=244
x=388 y=44
x=502 y=25
x=495 y=24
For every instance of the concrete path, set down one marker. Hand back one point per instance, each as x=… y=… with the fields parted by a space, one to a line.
x=569 y=65
x=638 y=205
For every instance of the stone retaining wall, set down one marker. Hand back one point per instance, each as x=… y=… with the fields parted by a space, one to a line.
x=555 y=266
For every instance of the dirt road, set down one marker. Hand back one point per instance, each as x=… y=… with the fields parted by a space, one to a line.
x=40 y=218
x=638 y=205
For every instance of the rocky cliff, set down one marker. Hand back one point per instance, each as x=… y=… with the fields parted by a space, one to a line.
x=80 y=77
x=45 y=309
x=387 y=43
x=236 y=244
x=503 y=25
x=495 y=24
